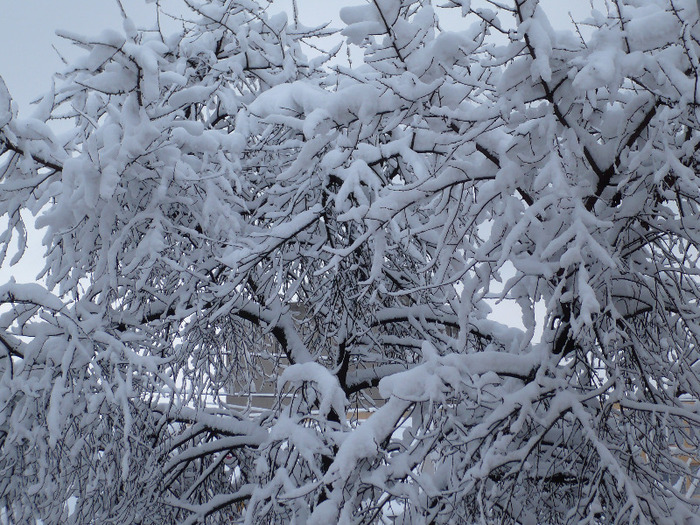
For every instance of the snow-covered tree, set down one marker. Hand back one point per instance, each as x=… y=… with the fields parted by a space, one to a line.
x=234 y=206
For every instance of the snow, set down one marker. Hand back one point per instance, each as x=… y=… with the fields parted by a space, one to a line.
x=540 y=32
x=229 y=217
x=362 y=21
x=6 y=111
x=601 y=70
x=650 y=27
x=331 y=396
